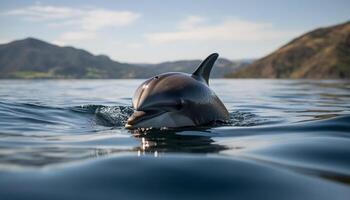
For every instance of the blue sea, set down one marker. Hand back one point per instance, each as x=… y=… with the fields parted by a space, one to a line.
x=65 y=139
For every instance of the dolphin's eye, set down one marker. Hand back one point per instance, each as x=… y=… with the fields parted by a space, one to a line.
x=180 y=104
x=156 y=77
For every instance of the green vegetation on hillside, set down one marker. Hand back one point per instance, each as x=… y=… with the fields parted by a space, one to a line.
x=322 y=53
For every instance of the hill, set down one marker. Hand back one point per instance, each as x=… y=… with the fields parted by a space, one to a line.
x=222 y=66
x=320 y=54
x=33 y=58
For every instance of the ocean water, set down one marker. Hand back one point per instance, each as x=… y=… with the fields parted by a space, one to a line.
x=65 y=139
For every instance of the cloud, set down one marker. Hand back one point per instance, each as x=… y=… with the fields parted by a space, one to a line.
x=134 y=45
x=68 y=37
x=88 y=18
x=85 y=22
x=193 y=28
x=190 y=22
x=45 y=13
x=3 y=40
x=97 y=19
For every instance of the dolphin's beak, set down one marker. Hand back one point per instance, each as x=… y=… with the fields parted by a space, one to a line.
x=134 y=118
x=128 y=126
x=139 y=116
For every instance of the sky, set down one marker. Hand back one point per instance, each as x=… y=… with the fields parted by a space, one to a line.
x=151 y=31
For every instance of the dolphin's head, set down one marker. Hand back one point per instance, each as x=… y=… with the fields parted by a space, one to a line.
x=161 y=101
x=176 y=100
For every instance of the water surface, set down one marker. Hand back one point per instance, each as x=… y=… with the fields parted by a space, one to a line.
x=286 y=139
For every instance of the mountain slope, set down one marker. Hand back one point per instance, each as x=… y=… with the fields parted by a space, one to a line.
x=33 y=58
x=322 y=53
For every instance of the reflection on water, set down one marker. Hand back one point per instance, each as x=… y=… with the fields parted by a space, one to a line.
x=175 y=142
x=286 y=138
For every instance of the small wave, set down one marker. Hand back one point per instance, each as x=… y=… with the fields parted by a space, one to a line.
x=106 y=115
x=113 y=115
x=118 y=115
x=239 y=118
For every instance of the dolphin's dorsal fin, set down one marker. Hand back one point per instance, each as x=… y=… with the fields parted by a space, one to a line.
x=203 y=70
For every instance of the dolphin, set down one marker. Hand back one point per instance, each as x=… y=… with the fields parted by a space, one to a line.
x=176 y=99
